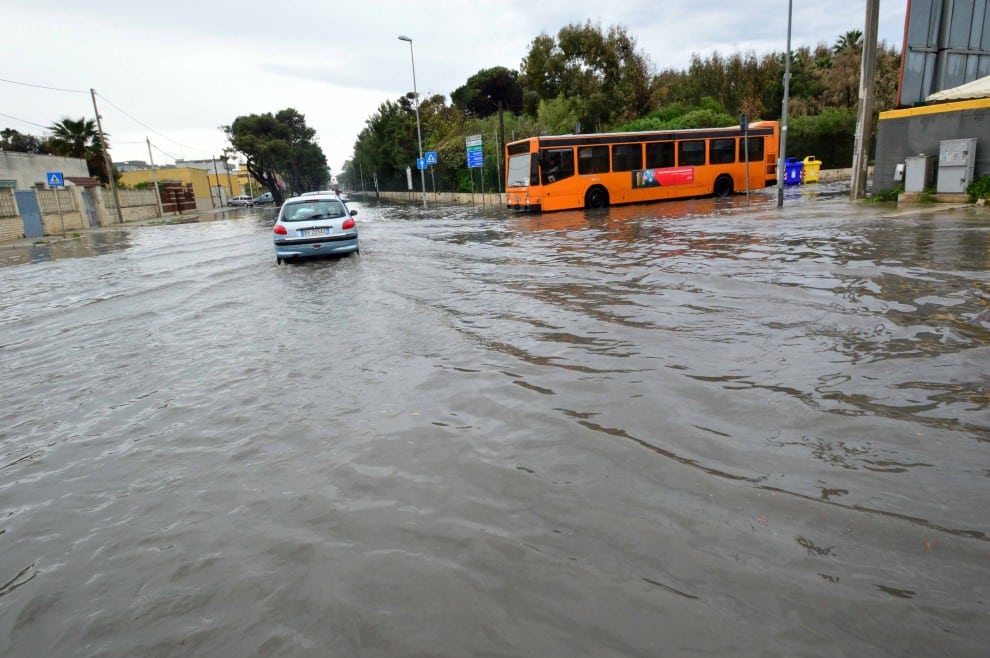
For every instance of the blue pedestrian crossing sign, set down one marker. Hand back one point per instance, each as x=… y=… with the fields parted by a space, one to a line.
x=431 y=157
x=55 y=179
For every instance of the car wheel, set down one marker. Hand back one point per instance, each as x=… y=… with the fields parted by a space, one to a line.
x=278 y=260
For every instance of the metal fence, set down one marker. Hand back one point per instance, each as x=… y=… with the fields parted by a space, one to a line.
x=7 y=206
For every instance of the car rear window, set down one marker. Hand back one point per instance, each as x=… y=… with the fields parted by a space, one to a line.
x=303 y=210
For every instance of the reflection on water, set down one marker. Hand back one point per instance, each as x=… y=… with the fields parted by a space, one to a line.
x=732 y=429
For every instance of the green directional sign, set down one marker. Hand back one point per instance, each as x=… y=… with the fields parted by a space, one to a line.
x=475 y=157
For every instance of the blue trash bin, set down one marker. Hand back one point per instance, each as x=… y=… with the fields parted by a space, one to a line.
x=792 y=171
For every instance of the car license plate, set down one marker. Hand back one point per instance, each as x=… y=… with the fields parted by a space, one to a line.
x=308 y=232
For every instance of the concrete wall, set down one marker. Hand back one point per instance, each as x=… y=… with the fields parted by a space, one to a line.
x=28 y=169
x=920 y=130
x=11 y=228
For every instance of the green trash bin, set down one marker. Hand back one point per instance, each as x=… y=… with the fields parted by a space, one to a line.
x=809 y=174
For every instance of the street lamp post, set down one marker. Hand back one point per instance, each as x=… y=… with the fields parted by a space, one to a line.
x=419 y=130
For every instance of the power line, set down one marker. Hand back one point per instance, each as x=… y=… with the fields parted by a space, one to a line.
x=164 y=153
x=30 y=123
x=28 y=84
x=138 y=121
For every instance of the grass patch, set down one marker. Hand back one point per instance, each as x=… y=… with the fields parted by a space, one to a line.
x=886 y=196
x=979 y=189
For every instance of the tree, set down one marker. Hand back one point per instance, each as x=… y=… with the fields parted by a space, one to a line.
x=601 y=73
x=12 y=140
x=851 y=40
x=79 y=138
x=279 y=147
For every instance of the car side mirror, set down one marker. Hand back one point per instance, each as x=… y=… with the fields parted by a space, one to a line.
x=353 y=212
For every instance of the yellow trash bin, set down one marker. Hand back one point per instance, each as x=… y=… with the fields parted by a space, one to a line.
x=809 y=173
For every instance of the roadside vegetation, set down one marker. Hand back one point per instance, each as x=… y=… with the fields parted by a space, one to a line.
x=590 y=79
x=979 y=189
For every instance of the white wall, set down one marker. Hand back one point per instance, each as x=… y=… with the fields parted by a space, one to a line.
x=26 y=169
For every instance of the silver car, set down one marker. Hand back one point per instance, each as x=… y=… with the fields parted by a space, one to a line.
x=241 y=200
x=314 y=225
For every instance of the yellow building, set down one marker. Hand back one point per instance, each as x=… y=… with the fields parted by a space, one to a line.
x=199 y=178
x=230 y=184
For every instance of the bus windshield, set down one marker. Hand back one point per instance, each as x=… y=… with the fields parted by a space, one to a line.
x=518 y=174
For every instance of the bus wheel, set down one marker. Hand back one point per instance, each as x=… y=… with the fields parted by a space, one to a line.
x=723 y=186
x=597 y=197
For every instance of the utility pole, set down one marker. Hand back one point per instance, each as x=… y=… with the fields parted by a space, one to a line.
x=864 y=118
x=154 y=176
x=106 y=157
x=783 y=113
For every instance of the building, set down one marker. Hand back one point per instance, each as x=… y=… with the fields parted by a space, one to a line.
x=198 y=178
x=26 y=170
x=946 y=47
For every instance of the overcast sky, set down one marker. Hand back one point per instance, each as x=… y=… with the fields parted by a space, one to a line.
x=176 y=71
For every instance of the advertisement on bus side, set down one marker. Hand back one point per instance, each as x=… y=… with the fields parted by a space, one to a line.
x=661 y=177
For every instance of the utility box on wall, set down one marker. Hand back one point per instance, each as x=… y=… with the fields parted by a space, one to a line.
x=956 y=164
x=919 y=172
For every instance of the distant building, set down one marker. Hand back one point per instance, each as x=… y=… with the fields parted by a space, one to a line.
x=214 y=166
x=131 y=165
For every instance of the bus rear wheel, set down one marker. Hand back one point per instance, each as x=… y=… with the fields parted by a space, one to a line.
x=597 y=197
x=723 y=186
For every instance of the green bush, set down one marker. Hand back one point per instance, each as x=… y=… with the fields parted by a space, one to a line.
x=886 y=196
x=979 y=188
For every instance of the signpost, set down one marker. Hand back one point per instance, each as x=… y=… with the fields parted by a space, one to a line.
x=744 y=124
x=476 y=159
x=55 y=182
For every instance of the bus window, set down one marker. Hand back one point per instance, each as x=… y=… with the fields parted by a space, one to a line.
x=593 y=160
x=755 y=149
x=627 y=157
x=691 y=153
x=723 y=151
x=659 y=154
x=558 y=164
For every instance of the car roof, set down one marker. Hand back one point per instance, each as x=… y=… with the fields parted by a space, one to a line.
x=315 y=196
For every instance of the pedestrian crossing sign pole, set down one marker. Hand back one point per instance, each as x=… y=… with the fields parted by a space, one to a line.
x=55 y=181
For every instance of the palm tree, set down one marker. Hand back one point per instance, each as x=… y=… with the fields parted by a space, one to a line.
x=73 y=138
x=851 y=39
x=80 y=139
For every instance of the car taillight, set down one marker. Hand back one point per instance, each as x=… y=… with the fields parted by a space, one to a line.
x=348 y=223
x=280 y=230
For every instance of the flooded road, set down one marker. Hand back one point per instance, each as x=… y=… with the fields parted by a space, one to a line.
x=694 y=428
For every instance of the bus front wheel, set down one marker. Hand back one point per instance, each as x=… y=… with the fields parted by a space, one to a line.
x=723 y=186
x=597 y=197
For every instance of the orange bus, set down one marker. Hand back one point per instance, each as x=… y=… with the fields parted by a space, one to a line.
x=594 y=171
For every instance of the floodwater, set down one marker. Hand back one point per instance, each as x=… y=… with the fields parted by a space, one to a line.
x=695 y=428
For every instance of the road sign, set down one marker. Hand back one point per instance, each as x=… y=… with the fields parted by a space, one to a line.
x=475 y=157
x=55 y=179
x=421 y=163
x=431 y=157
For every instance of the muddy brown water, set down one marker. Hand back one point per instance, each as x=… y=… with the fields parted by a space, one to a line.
x=695 y=428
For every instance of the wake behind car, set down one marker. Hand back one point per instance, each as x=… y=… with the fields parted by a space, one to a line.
x=314 y=225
